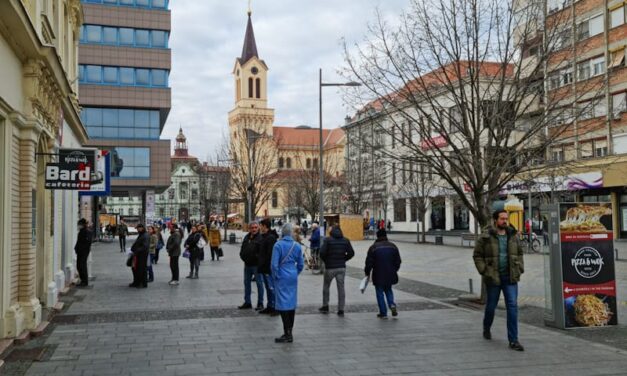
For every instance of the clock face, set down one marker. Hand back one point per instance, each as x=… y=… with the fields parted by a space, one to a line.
x=254 y=70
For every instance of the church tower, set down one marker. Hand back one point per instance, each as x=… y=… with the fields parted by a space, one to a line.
x=251 y=89
x=180 y=148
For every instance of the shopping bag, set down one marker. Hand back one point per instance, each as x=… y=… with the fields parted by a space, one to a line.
x=364 y=284
x=186 y=253
x=220 y=252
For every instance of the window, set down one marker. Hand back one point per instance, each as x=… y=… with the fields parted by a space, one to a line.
x=142 y=77
x=130 y=163
x=127 y=76
x=598 y=66
x=617 y=16
x=158 y=38
x=619 y=103
x=258 y=88
x=404 y=172
x=308 y=163
x=400 y=214
x=159 y=77
x=93 y=73
x=126 y=36
x=122 y=123
x=555 y=81
x=110 y=75
x=142 y=38
x=617 y=58
x=281 y=162
x=600 y=148
x=289 y=162
x=275 y=199
x=394 y=173
x=93 y=33
x=250 y=87
x=194 y=194
x=183 y=191
x=567 y=76
x=565 y=38
x=110 y=35
x=586 y=149
x=413 y=209
x=557 y=154
x=590 y=68
x=590 y=27
x=315 y=163
x=131 y=211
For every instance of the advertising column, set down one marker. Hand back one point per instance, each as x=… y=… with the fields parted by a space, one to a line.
x=588 y=277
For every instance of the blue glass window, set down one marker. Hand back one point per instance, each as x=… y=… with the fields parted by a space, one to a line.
x=159 y=77
x=142 y=3
x=142 y=76
x=93 y=33
x=110 y=1
x=126 y=2
x=154 y=119
x=110 y=35
x=121 y=123
x=126 y=36
x=159 y=38
x=159 y=3
x=142 y=118
x=110 y=75
x=130 y=162
x=110 y=117
x=162 y=4
x=126 y=76
x=81 y=73
x=127 y=118
x=142 y=38
x=93 y=73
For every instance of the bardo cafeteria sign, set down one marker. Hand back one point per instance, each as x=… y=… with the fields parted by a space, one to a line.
x=73 y=171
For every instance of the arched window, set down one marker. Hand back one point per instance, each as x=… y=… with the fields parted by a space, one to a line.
x=250 y=87
x=308 y=163
x=281 y=162
x=238 y=89
x=258 y=87
x=289 y=162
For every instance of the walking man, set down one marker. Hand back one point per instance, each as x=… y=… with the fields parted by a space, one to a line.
x=122 y=233
x=268 y=237
x=498 y=257
x=249 y=253
x=140 y=251
x=384 y=261
x=335 y=251
x=82 y=248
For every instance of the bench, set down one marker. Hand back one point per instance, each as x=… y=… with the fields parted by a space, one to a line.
x=468 y=237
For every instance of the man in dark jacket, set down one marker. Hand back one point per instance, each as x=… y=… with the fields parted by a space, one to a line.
x=335 y=251
x=122 y=230
x=82 y=248
x=140 y=254
x=314 y=244
x=268 y=237
x=498 y=257
x=173 y=247
x=384 y=261
x=249 y=253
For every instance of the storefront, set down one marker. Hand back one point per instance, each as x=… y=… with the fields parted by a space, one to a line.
x=461 y=215
x=438 y=213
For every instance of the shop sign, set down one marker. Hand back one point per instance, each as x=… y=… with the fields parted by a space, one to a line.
x=574 y=182
x=73 y=171
x=587 y=258
x=434 y=142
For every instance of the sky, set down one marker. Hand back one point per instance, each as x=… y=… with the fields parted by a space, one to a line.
x=294 y=37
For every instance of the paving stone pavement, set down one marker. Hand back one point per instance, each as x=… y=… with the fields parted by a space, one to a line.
x=194 y=329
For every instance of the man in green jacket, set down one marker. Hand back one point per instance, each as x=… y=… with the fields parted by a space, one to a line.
x=498 y=257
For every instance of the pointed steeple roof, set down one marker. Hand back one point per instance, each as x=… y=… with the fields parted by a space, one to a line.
x=250 y=46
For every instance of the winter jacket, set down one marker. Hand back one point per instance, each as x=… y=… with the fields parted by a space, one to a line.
x=265 y=251
x=486 y=256
x=384 y=260
x=336 y=250
x=153 y=244
x=314 y=239
x=287 y=263
x=214 y=238
x=141 y=244
x=192 y=243
x=83 y=242
x=122 y=229
x=250 y=250
x=174 y=244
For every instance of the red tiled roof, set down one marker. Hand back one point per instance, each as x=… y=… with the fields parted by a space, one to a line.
x=292 y=136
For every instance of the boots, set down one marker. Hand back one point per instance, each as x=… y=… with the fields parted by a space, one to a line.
x=285 y=338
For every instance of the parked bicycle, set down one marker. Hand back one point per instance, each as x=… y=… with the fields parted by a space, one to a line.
x=535 y=243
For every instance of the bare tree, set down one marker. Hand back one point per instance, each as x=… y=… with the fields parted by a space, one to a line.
x=218 y=183
x=455 y=87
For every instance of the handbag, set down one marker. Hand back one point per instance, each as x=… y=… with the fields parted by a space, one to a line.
x=129 y=260
x=186 y=254
x=202 y=243
x=219 y=252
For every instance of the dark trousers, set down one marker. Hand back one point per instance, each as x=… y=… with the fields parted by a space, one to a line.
x=214 y=253
x=81 y=266
x=194 y=262
x=139 y=273
x=288 y=321
x=174 y=267
x=122 y=243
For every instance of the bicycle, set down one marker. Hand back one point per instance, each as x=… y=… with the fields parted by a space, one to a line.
x=535 y=243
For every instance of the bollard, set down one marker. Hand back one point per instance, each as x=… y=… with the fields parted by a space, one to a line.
x=470 y=285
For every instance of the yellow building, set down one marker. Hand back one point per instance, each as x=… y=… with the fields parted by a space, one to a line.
x=38 y=114
x=280 y=163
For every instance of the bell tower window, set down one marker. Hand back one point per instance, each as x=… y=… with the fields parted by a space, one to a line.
x=258 y=87
x=250 y=87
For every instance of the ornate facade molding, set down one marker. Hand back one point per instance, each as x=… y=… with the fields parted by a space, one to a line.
x=44 y=96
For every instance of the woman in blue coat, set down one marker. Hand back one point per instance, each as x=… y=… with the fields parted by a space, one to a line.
x=287 y=263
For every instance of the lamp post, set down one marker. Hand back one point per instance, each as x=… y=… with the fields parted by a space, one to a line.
x=320 y=163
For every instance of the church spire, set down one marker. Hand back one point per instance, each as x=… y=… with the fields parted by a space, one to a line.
x=180 y=148
x=250 y=46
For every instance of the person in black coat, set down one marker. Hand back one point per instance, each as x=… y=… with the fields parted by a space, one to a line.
x=264 y=259
x=384 y=261
x=335 y=251
x=174 y=251
x=82 y=248
x=140 y=257
x=194 y=252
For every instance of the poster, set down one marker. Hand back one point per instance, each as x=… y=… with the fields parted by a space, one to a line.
x=150 y=205
x=587 y=257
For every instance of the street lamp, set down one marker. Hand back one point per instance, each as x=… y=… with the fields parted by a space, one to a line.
x=320 y=163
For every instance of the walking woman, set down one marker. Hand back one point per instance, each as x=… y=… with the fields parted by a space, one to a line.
x=194 y=252
x=154 y=239
x=174 y=251
x=160 y=243
x=287 y=263
x=214 y=242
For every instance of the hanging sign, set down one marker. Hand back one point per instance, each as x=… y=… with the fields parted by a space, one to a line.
x=73 y=171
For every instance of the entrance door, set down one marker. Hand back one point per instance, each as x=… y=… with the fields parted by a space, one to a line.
x=183 y=214
x=438 y=214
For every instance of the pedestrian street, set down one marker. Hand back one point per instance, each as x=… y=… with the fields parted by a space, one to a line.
x=196 y=329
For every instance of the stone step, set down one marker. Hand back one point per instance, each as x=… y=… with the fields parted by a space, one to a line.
x=22 y=338
x=58 y=307
x=40 y=329
x=5 y=346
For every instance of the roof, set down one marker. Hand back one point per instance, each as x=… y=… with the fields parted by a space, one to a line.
x=249 y=50
x=297 y=136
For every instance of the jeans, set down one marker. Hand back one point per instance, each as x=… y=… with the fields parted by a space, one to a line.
x=383 y=294
x=174 y=267
x=510 y=293
x=269 y=283
x=194 y=263
x=339 y=275
x=151 y=274
x=249 y=272
x=122 y=243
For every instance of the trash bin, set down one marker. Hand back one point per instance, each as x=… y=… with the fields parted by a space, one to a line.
x=232 y=238
x=439 y=240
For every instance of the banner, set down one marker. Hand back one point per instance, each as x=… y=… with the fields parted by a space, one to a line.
x=74 y=170
x=587 y=258
x=101 y=177
x=150 y=205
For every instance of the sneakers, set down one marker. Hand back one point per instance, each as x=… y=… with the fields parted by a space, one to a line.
x=324 y=309
x=173 y=283
x=487 y=334
x=340 y=313
x=259 y=307
x=394 y=311
x=245 y=306
x=382 y=316
x=516 y=346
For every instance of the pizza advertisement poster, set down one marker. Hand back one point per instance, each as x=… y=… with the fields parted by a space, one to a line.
x=587 y=256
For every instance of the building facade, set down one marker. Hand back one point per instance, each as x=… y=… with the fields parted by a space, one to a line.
x=281 y=161
x=39 y=114
x=125 y=61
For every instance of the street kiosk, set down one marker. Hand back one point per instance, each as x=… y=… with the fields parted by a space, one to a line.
x=580 y=282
